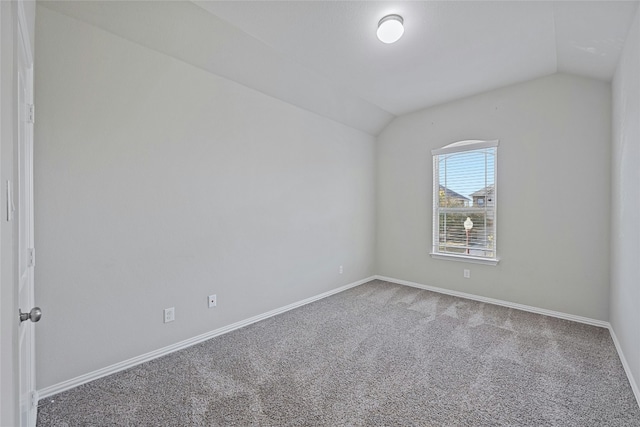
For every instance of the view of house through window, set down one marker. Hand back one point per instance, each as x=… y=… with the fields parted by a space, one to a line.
x=464 y=205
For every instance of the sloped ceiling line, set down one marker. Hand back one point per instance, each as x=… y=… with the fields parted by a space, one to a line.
x=324 y=57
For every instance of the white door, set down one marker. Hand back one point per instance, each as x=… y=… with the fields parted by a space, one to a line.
x=26 y=255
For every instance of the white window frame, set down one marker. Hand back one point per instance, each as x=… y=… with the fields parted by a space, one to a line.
x=458 y=147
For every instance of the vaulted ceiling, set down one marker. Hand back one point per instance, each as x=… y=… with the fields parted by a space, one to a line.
x=324 y=56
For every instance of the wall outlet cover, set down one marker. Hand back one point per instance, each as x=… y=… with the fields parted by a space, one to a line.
x=169 y=314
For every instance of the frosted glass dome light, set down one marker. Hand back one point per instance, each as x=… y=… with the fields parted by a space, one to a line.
x=390 y=28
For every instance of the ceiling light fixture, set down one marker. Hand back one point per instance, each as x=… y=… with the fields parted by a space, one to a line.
x=390 y=28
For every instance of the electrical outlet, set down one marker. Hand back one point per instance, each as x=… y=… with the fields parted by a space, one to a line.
x=467 y=273
x=340 y=270
x=213 y=300
x=169 y=314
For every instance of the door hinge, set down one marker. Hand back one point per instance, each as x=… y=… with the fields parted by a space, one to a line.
x=34 y=399
x=31 y=113
x=32 y=257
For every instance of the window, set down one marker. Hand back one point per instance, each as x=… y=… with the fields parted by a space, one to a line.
x=464 y=201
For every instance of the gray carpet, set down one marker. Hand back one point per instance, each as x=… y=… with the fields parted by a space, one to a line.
x=378 y=354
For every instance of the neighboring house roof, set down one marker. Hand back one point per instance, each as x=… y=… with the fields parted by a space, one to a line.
x=483 y=192
x=451 y=193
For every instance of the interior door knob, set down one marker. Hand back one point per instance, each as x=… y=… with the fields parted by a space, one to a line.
x=34 y=315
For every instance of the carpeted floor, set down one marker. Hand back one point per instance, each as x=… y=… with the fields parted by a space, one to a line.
x=378 y=354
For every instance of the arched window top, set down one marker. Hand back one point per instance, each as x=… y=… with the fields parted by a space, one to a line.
x=470 y=144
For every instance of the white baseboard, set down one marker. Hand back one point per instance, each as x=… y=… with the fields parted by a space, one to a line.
x=537 y=310
x=627 y=369
x=572 y=317
x=83 y=379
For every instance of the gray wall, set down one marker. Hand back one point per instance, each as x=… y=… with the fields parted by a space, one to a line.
x=625 y=202
x=158 y=183
x=553 y=194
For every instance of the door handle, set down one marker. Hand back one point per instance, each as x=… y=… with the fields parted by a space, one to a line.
x=34 y=315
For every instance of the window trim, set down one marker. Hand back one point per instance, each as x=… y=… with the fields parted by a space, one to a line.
x=468 y=145
x=457 y=147
x=465 y=258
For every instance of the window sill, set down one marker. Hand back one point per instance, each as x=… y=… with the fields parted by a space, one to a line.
x=465 y=258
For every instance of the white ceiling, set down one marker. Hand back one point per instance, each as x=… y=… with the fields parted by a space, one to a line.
x=323 y=56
